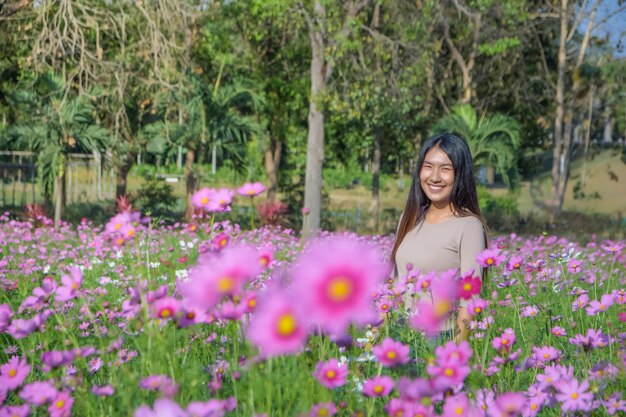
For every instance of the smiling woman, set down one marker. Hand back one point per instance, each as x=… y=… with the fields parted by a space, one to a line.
x=441 y=228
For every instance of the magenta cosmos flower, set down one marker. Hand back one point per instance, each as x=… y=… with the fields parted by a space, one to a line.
x=223 y=275
x=331 y=373
x=39 y=392
x=596 y=307
x=13 y=373
x=391 y=353
x=431 y=312
x=490 y=257
x=469 y=286
x=61 y=406
x=379 y=386
x=574 y=396
x=511 y=404
x=220 y=201
x=15 y=411
x=279 y=325
x=334 y=280
x=456 y=406
x=5 y=316
x=163 y=407
x=251 y=189
x=201 y=198
x=69 y=285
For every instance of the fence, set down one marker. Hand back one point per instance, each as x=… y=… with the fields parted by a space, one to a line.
x=89 y=178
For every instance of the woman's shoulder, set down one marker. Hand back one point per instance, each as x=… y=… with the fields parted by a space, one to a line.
x=468 y=222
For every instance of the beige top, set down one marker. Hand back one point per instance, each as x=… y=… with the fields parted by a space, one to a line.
x=439 y=247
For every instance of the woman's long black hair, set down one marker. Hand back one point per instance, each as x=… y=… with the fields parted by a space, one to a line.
x=464 y=198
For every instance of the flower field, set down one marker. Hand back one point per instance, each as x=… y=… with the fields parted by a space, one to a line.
x=142 y=319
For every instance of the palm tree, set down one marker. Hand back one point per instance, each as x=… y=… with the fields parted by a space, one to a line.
x=494 y=140
x=56 y=126
x=216 y=119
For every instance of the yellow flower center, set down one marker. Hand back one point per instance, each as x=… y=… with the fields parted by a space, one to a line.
x=546 y=356
x=119 y=241
x=505 y=342
x=250 y=192
x=322 y=412
x=191 y=315
x=378 y=389
x=165 y=313
x=458 y=411
x=264 y=260
x=225 y=284
x=574 y=396
x=339 y=289
x=478 y=310
x=391 y=355
x=489 y=261
x=252 y=303
x=602 y=306
x=425 y=284
x=448 y=372
x=118 y=226
x=467 y=286
x=12 y=373
x=442 y=307
x=286 y=325
x=204 y=200
x=533 y=406
x=331 y=374
x=59 y=404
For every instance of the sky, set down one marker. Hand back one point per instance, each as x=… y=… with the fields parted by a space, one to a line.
x=614 y=26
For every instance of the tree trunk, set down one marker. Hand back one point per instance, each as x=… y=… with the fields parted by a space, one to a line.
x=190 y=181
x=121 y=177
x=59 y=183
x=272 y=161
x=557 y=146
x=587 y=139
x=315 y=139
x=607 y=134
x=375 y=207
x=213 y=159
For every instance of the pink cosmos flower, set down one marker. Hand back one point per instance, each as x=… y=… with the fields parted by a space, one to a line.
x=102 y=391
x=574 y=266
x=504 y=342
x=69 y=285
x=224 y=275
x=511 y=404
x=118 y=221
x=210 y=408
x=279 y=326
x=220 y=241
x=55 y=358
x=202 y=198
x=95 y=364
x=574 y=396
x=379 y=386
x=596 y=307
x=221 y=200
x=545 y=354
x=477 y=306
x=163 y=407
x=161 y=383
x=13 y=373
x=39 y=392
x=558 y=331
x=165 y=308
x=529 y=311
x=451 y=352
x=189 y=316
x=391 y=353
x=15 y=411
x=61 y=406
x=469 y=286
x=251 y=189
x=331 y=373
x=456 y=405
x=515 y=262
x=5 y=317
x=581 y=302
x=323 y=410
x=334 y=280
x=490 y=257
x=614 y=404
x=431 y=312
x=266 y=256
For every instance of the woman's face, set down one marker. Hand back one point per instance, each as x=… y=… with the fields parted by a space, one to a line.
x=437 y=177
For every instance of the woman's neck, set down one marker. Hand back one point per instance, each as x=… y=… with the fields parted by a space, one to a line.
x=435 y=214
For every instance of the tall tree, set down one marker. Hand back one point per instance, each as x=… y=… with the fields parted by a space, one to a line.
x=323 y=48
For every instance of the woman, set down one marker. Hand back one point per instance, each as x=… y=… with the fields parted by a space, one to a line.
x=441 y=227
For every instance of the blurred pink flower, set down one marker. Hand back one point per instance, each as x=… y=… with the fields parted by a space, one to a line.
x=39 y=392
x=165 y=308
x=511 y=404
x=596 y=307
x=490 y=257
x=15 y=411
x=251 y=189
x=477 y=306
x=573 y=395
x=323 y=410
x=379 y=386
x=61 y=406
x=223 y=275
x=279 y=325
x=391 y=353
x=456 y=406
x=504 y=342
x=220 y=200
x=469 y=286
x=163 y=407
x=202 y=198
x=334 y=280
x=13 y=373
x=69 y=285
x=5 y=317
x=331 y=373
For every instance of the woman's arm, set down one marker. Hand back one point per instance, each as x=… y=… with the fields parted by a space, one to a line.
x=472 y=243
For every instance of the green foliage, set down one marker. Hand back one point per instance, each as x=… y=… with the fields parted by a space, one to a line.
x=500 y=213
x=498 y=46
x=493 y=140
x=156 y=197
